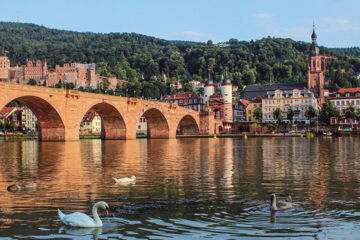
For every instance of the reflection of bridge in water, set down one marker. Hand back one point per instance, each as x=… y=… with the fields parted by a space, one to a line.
x=60 y=112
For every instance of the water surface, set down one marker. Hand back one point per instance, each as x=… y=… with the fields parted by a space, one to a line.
x=185 y=189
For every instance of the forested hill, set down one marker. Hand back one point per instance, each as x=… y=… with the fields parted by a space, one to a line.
x=352 y=51
x=148 y=62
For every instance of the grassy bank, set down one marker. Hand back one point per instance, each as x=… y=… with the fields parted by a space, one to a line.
x=18 y=137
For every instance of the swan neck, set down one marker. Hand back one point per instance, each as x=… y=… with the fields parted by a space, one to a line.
x=96 y=215
x=273 y=204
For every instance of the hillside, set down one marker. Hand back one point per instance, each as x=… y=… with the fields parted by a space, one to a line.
x=148 y=62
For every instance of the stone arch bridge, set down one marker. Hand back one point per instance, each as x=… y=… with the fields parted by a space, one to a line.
x=60 y=112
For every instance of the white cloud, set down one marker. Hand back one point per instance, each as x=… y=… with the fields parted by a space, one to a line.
x=261 y=15
x=192 y=36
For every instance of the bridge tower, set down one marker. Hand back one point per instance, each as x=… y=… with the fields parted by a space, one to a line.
x=226 y=92
x=208 y=89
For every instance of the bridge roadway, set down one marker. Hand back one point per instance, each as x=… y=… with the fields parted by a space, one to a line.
x=60 y=112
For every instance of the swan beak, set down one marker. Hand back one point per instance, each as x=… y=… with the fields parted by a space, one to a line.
x=107 y=211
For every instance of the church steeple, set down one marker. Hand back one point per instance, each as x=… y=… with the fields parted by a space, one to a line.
x=313 y=35
x=315 y=73
x=314 y=49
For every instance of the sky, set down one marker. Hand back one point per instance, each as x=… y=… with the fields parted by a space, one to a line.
x=337 y=22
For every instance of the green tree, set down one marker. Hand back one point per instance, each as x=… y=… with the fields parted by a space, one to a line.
x=258 y=114
x=277 y=115
x=271 y=126
x=310 y=113
x=290 y=115
x=12 y=126
x=187 y=87
x=328 y=111
x=350 y=114
x=58 y=85
x=32 y=82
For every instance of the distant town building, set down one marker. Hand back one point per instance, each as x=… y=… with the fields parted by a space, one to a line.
x=4 y=67
x=16 y=74
x=36 y=70
x=315 y=81
x=220 y=103
x=29 y=119
x=251 y=107
x=91 y=123
x=190 y=100
x=197 y=85
x=298 y=100
x=342 y=99
x=176 y=84
x=239 y=110
x=142 y=127
x=6 y=112
x=81 y=75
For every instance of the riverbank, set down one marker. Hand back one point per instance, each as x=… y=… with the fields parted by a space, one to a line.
x=18 y=137
x=339 y=134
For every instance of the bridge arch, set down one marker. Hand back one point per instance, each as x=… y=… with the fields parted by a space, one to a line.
x=112 y=123
x=188 y=126
x=51 y=125
x=158 y=124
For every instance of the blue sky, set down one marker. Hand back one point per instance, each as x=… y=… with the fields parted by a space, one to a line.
x=337 y=22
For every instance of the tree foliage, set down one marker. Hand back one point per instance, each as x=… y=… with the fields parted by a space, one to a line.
x=258 y=114
x=290 y=114
x=142 y=60
x=310 y=113
x=278 y=115
x=328 y=111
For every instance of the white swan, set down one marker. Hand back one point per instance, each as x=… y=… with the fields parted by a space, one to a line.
x=125 y=180
x=276 y=204
x=78 y=219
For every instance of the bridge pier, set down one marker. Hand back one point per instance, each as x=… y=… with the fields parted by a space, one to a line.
x=52 y=134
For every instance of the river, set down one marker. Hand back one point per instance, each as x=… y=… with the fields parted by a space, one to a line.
x=194 y=188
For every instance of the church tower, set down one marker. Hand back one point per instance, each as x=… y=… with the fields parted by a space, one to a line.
x=315 y=73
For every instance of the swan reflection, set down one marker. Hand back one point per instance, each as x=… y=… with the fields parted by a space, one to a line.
x=81 y=231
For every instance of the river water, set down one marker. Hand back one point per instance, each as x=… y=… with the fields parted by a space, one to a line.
x=195 y=188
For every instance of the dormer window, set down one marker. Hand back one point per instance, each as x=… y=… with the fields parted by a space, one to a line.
x=347 y=94
x=338 y=95
x=357 y=94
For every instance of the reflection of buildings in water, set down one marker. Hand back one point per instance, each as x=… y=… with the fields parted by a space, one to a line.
x=29 y=156
x=92 y=149
x=228 y=163
x=121 y=158
x=207 y=165
x=287 y=158
x=346 y=166
x=317 y=186
x=142 y=150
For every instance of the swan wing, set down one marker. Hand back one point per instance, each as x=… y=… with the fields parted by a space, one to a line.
x=78 y=219
x=283 y=205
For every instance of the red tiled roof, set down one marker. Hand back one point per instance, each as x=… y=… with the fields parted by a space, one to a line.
x=6 y=111
x=348 y=90
x=244 y=102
